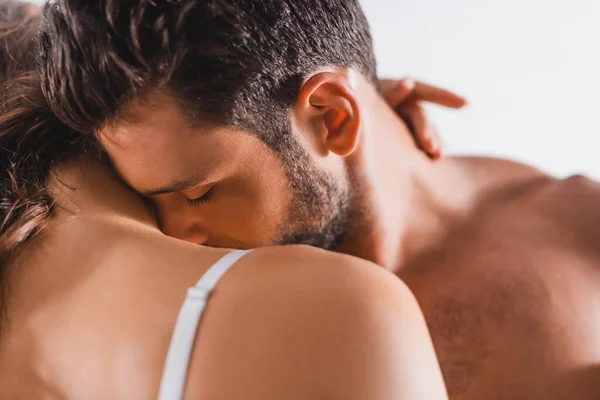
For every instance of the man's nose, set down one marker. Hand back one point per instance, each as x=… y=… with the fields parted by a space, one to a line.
x=182 y=227
x=195 y=234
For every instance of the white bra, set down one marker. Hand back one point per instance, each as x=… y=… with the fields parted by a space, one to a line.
x=174 y=376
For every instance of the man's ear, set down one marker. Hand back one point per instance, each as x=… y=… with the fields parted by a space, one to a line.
x=329 y=104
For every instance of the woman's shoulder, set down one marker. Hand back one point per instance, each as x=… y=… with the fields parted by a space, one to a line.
x=298 y=322
x=308 y=268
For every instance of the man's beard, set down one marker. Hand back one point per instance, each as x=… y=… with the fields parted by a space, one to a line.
x=320 y=208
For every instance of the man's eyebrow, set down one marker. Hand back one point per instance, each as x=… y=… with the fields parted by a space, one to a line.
x=175 y=187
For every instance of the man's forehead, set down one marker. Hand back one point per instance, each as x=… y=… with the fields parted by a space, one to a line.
x=158 y=148
x=153 y=162
x=151 y=147
x=145 y=121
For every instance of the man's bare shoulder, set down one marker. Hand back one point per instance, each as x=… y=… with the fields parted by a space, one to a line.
x=574 y=205
x=571 y=198
x=298 y=322
x=498 y=170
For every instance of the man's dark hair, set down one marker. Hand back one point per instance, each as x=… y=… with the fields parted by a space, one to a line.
x=231 y=62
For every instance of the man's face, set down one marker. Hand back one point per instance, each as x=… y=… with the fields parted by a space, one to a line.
x=224 y=187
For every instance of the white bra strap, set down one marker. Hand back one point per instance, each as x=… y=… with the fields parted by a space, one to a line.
x=182 y=342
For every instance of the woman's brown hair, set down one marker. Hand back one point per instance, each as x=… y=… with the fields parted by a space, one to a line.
x=32 y=140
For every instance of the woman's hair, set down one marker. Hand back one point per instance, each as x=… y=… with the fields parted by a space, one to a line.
x=20 y=214
x=18 y=26
x=32 y=140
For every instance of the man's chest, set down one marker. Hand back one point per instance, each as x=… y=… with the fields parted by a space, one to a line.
x=511 y=307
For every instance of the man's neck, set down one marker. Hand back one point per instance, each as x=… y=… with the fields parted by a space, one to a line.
x=409 y=201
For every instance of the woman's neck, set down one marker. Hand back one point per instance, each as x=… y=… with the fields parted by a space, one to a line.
x=88 y=188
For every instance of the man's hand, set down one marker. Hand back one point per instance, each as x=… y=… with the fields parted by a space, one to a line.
x=406 y=96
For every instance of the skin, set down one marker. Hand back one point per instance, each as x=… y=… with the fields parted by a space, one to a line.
x=502 y=258
x=284 y=323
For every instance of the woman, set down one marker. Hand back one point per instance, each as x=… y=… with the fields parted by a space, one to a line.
x=92 y=289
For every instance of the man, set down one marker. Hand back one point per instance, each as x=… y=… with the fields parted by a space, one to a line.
x=258 y=123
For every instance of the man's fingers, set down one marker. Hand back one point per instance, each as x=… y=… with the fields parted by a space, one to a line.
x=397 y=92
x=432 y=94
x=425 y=135
x=437 y=150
